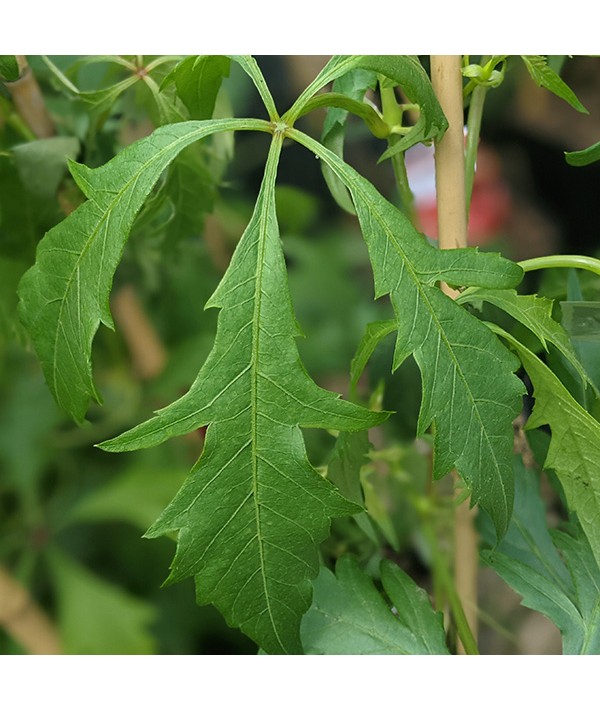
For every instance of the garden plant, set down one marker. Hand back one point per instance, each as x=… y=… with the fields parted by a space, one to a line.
x=312 y=522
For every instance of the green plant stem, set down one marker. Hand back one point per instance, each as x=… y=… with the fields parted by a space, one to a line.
x=473 y=131
x=446 y=583
x=392 y=115
x=575 y=261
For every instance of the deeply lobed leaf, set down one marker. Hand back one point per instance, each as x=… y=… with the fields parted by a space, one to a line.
x=470 y=392
x=253 y=512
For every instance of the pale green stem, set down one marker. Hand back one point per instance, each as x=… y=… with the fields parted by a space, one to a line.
x=473 y=131
x=575 y=261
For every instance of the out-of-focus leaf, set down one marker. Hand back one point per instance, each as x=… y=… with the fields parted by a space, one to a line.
x=198 y=80
x=349 y=615
x=349 y=455
x=136 y=496
x=43 y=163
x=374 y=333
x=9 y=69
x=543 y=75
x=574 y=451
x=473 y=416
x=528 y=559
x=97 y=617
x=581 y=319
x=584 y=157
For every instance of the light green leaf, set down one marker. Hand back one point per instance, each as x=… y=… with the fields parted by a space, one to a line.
x=137 y=496
x=9 y=69
x=354 y=84
x=584 y=157
x=574 y=451
x=349 y=456
x=96 y=617
x=374 y=334
x=534 y=312
x=349 y=615
x=64 y=296
x=472 y=414
x=42 y=164
x=198 y=80
x=405 y=71
x=253 y=512
x=249 y=65
x=528 y=559
x=544 y=76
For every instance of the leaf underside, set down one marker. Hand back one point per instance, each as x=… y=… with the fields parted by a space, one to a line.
x=253 y=512
x=470 y=392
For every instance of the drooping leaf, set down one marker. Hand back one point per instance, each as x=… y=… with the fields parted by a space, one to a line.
x=354 y=84
x=544 y=76
x=64 y=296
x=584 y=157
x=96 y=617
x=574 y=452
x=198 y=80
x=9 y=69
x=349 y=615
x=374 y=333
x=534 y=312
x=404 y=70
x=528 y=559
x=343 y=470
x=252 y=513
x=472 y=414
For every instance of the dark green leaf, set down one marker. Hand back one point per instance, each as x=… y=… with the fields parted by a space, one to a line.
x=543 y=75
x=9 y=69
x=43 y=163
x=349 y=615
x=253 y=484
x=472 y=415
x=64 y=296
x=374 y=334
x=198 y=80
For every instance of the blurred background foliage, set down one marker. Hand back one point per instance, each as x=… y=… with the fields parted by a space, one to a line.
x=71 y=516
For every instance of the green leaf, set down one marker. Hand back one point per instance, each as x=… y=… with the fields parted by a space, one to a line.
x=42 y=164
x=528 y=559
x=137 y=496
x=354 y=85
x=349 y=615
x=198 y=80
x=349 y=456
x=96 y=617
x=249 y=65
x=9 y=69
x=574 y=451
x=64 y=296
x=544 y=76
x=253 y=512
x=405 y=71
x=534 y=312
x=581 y=319
x=472 y=414
x=374 y=334
x=584 y=157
